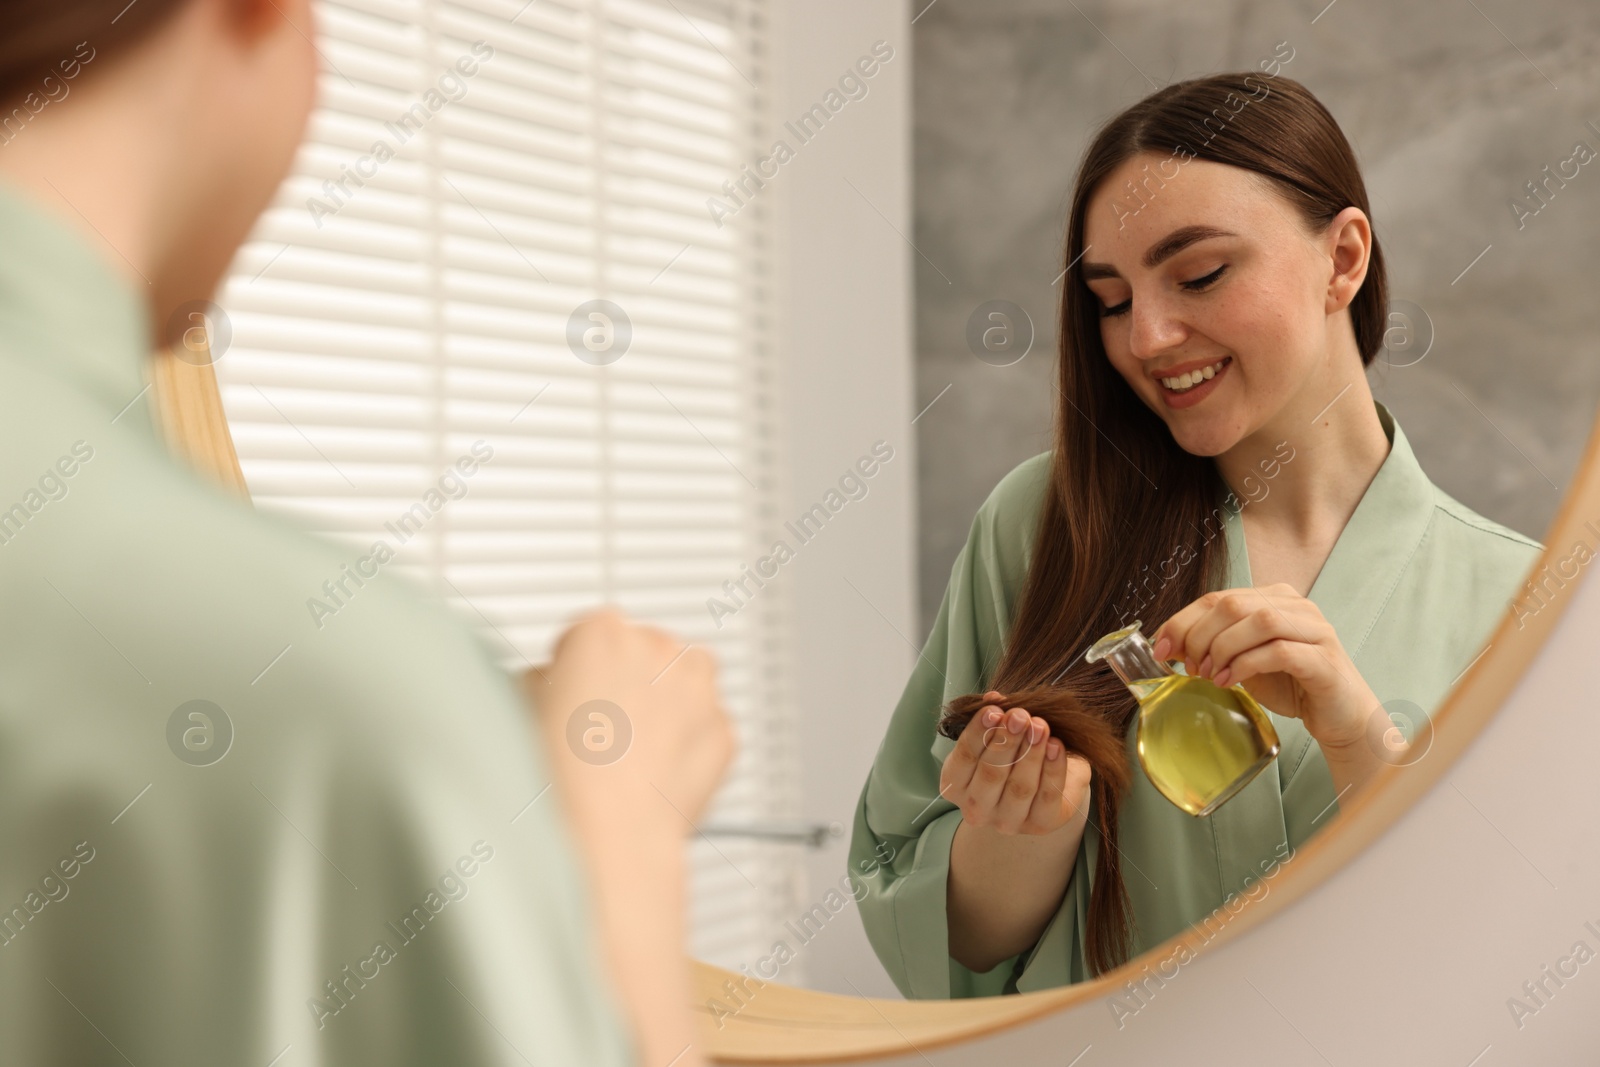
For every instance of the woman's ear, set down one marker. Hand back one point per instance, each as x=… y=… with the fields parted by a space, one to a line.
x=254 y=19
x=1349 y=248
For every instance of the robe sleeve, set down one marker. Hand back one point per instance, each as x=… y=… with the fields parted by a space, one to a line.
x=900 y=845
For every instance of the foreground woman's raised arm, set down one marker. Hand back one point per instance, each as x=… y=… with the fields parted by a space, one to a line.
x=629 y=818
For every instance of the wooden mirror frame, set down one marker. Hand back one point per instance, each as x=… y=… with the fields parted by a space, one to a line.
x=788 y=1025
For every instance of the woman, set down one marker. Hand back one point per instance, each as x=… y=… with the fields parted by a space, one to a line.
x=1224 y=294
x=234 y=836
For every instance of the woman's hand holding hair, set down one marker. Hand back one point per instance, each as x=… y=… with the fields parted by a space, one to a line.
x=1007 y=774
x=1276 y=644
x=1023 y=801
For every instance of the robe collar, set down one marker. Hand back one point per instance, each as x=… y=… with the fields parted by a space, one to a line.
x=1373 y=550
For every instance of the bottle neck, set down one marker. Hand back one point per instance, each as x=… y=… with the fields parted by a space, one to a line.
x=1134 y=660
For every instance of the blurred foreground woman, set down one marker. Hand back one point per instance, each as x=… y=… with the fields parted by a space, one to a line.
x=232 y=835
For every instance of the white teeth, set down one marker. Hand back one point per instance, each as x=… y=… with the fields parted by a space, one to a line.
x=1191 y=378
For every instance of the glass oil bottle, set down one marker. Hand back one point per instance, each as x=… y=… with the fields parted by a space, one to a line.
x=1199 y=743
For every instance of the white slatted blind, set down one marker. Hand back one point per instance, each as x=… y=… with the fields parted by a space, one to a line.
x=388 y=313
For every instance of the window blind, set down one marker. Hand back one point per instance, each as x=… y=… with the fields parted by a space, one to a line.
x=480 y=181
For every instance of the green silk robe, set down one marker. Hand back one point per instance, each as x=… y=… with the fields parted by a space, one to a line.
x=216 y=889
x=1414 y=585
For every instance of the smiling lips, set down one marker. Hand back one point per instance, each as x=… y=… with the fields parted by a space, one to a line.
x=1189 y=379
x=1194 y=385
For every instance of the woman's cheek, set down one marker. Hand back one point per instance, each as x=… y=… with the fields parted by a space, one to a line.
x=1134 y=376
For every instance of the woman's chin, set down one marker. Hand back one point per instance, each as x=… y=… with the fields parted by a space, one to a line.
x=1209 y=439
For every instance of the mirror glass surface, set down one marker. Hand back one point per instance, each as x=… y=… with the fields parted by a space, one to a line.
x=713 y=277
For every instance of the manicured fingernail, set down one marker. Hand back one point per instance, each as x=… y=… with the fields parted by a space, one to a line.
x=991 y=717
x=1223 y=675
x=1163 y=646
x=1205 y=664
x=1052 y=751
x=1039 y=732
x=1014 y=725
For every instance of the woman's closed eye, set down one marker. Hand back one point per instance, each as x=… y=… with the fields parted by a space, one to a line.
x=1194 y=286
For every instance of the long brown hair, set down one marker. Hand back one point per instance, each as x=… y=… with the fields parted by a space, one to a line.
x=1130 y=521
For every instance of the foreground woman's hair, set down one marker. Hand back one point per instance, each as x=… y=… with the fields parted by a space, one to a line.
x=40 y=34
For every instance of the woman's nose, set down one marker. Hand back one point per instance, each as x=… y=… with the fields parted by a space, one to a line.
x=1154 y=328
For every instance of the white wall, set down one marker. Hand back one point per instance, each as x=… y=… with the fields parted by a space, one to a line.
x=845 y=348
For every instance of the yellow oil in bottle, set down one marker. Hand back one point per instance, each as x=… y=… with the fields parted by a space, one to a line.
x=1198 y=742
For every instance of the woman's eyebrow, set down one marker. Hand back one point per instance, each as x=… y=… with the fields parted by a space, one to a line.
x=1161 y=251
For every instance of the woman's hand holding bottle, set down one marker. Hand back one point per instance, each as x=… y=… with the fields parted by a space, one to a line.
x=1278 y=645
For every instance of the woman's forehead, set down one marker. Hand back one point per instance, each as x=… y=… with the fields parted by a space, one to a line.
x=1128 y=225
